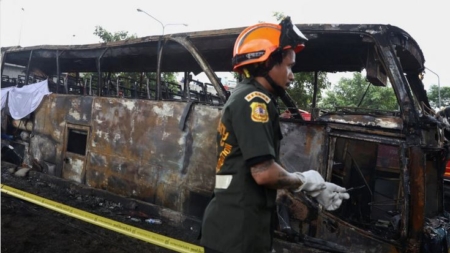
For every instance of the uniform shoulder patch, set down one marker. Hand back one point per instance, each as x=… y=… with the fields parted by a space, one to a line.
x=259 y=112
x=258 y=94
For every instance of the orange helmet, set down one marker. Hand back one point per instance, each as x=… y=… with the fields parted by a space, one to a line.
x=256 y=43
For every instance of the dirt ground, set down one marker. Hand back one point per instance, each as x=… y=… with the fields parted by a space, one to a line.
x=27 y=227
x=30 y=228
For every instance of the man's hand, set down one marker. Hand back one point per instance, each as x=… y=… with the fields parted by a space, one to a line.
x=312 y=182
x=331 y=197
x=286 y=114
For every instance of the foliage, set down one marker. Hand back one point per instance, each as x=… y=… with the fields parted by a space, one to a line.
x=278 y=15
x=433 y=96
x=110 y=37
x=357 y=92
x=302 y=89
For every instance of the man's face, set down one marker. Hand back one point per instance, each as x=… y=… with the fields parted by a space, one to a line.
x=282 y=73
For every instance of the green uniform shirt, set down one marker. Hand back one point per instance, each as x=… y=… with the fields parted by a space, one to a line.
x=238 y=218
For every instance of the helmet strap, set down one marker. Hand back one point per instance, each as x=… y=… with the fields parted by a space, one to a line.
x=270 y=63
x=277 y=90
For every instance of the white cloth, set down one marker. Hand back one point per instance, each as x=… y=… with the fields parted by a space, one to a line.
x=23 y=101
x=5 y=92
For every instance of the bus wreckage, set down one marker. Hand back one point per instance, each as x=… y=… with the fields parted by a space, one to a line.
x=154 y=141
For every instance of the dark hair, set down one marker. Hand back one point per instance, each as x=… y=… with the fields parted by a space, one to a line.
x=262 y=68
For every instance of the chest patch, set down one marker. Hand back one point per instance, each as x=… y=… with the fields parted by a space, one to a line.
x=257 y=94
x=259 y=112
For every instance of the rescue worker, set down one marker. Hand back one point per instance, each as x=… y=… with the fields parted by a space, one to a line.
x=248 y=170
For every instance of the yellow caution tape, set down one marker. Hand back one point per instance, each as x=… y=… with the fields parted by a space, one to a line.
x=141 y=234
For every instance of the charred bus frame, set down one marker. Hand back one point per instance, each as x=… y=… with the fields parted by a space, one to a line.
x=159 y=150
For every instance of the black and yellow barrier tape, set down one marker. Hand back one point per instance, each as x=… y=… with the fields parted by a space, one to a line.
x=141 y=234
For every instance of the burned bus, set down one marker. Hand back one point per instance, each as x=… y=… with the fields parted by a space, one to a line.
x=153 y=140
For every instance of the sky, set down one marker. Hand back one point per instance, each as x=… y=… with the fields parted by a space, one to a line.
x=60 y=22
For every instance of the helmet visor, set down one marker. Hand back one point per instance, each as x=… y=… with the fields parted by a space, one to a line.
x=290 y=35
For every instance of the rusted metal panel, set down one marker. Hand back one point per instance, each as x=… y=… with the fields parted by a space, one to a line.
x=389 y=122
x=43 y=148
x=78 y=109
x=366 y=130
x=201 y=163
x=61 y=109
x=74 y=148
x=417 y=198
x=74 y=168
x=122 y=176
x=303 y=147
x=50 y=122
x=47 y=139
x=355 y=239
x=138 y=149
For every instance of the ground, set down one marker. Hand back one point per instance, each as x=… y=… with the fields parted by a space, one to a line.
x=30 y=228
x=27 y=227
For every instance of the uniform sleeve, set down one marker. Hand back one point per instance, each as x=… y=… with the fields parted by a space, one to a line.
x=252 y=124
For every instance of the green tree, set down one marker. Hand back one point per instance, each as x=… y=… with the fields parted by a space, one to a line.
x=106 y=36
x=433 y=96
x=302 y=89
x=357 y=92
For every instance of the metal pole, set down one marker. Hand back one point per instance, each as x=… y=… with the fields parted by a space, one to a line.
x=158 y=74
x=173 y=24
x=90 y=86
x=84 y=87
x=158 y=71
x=28 y=68
x=439 y=86
x=117 y=87
x=58 y=70
x=148 y=89
x=162 y=25
x=159 y=53
x=99 y=72
x=187 y=89
x=21 y=26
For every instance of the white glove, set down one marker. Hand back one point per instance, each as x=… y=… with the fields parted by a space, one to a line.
x=331 y=198
x=312 y=182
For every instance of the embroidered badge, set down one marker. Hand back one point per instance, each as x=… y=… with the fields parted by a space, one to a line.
x=259 y=112
x=258 y=94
